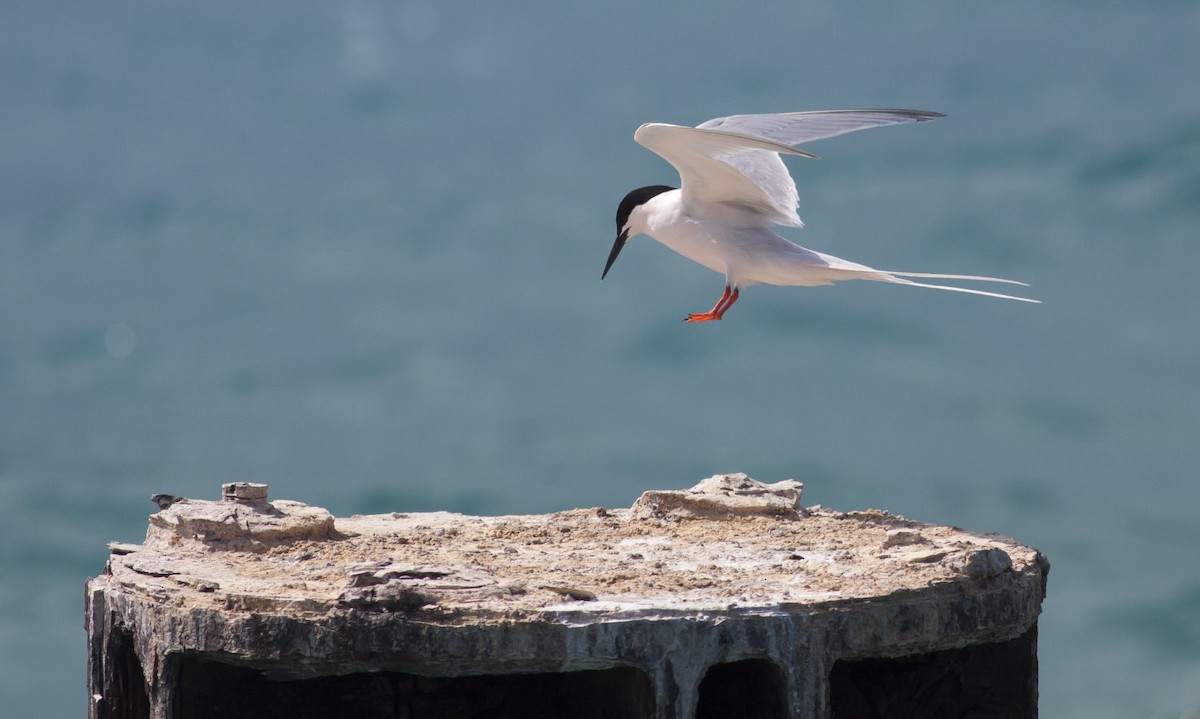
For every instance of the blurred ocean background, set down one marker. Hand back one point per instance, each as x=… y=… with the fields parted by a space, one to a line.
x=353 y=249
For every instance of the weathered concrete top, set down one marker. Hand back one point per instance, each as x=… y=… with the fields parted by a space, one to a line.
x=730 y=544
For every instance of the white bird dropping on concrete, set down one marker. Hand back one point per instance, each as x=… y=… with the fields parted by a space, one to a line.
x=734 y=187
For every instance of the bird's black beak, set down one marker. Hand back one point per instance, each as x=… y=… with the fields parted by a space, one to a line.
x=616 y=250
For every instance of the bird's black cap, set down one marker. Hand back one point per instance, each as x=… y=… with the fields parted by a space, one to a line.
x=635 y=198
x=630 y=201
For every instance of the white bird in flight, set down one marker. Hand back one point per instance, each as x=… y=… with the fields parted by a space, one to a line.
x=734 y=187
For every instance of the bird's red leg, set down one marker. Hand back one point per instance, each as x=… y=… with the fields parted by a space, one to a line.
x=728 y=303
x=718 y=310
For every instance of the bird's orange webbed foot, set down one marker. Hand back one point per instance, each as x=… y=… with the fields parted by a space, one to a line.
x=718 y=311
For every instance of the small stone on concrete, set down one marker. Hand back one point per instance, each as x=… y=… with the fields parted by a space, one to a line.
x=723 y=496
x=166 y=500
x=244 y=492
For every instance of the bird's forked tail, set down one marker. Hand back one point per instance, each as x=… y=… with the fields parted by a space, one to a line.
x=899 y=277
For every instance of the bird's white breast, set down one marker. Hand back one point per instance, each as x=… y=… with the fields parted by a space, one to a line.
x=693 y=240
x=734 y=242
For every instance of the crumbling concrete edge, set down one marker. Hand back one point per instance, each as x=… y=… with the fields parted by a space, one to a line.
x=803 y=641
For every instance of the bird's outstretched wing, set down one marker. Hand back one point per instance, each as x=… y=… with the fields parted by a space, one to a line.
x=734 y=161
x=794 y=128
x=708 y=174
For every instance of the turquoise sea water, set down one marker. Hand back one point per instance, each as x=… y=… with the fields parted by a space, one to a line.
x=353 y=249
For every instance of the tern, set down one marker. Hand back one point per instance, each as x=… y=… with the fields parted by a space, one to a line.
x=734 y=188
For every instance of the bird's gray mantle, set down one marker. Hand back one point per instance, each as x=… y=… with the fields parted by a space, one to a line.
x=728 y=599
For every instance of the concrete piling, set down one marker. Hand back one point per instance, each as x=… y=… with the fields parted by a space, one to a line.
x=726 y=600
